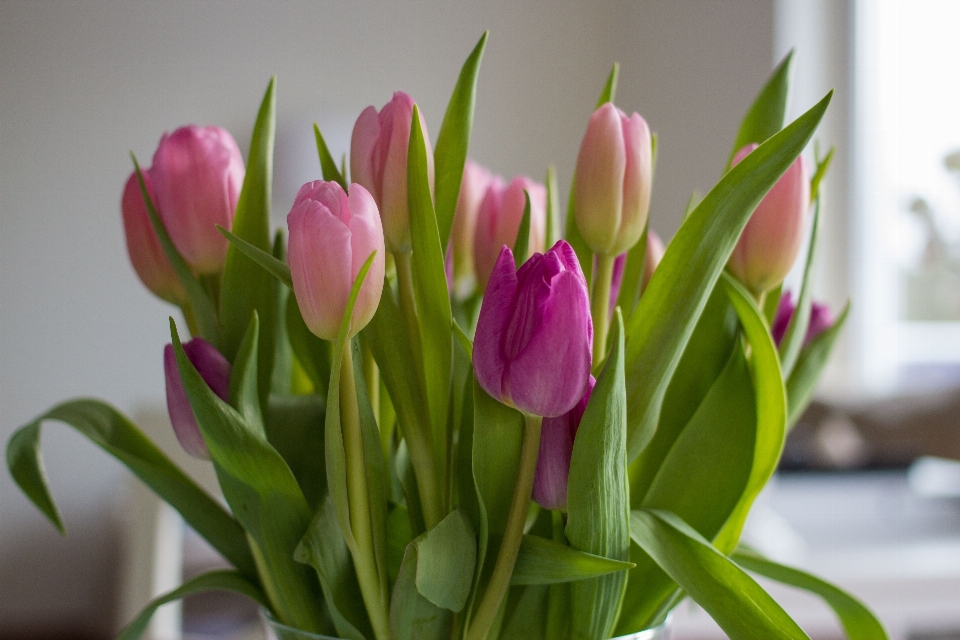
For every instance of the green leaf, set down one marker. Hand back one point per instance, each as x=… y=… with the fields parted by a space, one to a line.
x=610 y=88
x=526 y=619
x=324 y=549
x=734 y=600
x=771 y=412
x=328 y=166
x=454 y=140
x=277 y=268
x=552 y=232
x=246 y=286
x=430 y=284
x=521 y=246
x=446 y=555
x=311 y=352
x=259 y=487
x=202 y=306
x=295 y=429
x=543 y=561
x=243 y=380
x=598 y=499
x=810 y=364
x=823 y=165
x=661 y=325
x=632 y=283
x=768 y=111
x=114 y=433
x=399 y=535
x=211 y=581
x=796 y=332
x=857 y=620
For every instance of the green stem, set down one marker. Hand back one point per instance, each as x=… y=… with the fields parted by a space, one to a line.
x=374 y=592
x=371 y=375
x=600 y=308
x=500 y=579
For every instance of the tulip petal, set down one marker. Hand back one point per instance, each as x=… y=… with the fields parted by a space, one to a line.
x=492 y=323
x=598 y=192
x=556 y=448
x=366 y=236
x=364 y=138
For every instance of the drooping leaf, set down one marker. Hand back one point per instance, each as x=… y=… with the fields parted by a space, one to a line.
x=598 y=500
x=768 y=112
x=454 y=140
x=663 y=321
x=543 y=561
x=734 y=600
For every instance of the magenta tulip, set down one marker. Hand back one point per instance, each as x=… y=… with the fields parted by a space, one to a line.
x=146 y=254
x=556 y=448
x=820 y=319
x=476 y=180
x=771 y=240
x=331 y=237
x=215 y=371
x=613 y=180
x=532 y=349
x=499 y=218
x=198 y=173
x=378 y=161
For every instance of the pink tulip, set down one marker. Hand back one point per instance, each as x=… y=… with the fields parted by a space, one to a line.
x=331 y=237
x=771 y=240
x=476 y=180
x=653 y=255
x=533 y=345
x=144 y=248
x=616 y=279
x=499 y=218
x=820 y=319
x=613 y=180
x=378 y=161
x=556 y=448
x=215 y=371
x=198 y=173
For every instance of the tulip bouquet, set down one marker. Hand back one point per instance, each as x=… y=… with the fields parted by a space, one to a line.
x=438 y=411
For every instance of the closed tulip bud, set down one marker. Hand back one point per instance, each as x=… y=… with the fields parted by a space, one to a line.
x=820 y=319
x=331 y=237
x=534 y=336
x=771 y=240
x=653 y=255
x=499 y=218
x=556 y=448
x=146 y=254
x=198 y=173
x=378 y=161
x=613 y=179
x=476 y=180
x=215 y=371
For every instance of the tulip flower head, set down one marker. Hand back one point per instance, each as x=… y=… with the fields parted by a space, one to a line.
x=499 y=218
x=215 y=371
x=771 y=240
x=473 y=188
x=198 y=173
x=378 y=161
x=534 y=336
x=820 y=319
x=143 y=246
x=556 y=449
x=331 y=237
x=613 y=180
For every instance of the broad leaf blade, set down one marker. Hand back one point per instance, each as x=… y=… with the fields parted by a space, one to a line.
x=295 y=429
x=446 y=555
x=277 y=268
x=768 y=111
x=810 y=364
x=543 y=561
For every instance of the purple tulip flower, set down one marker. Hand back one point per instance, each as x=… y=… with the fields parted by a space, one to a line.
x=556 y=448
x=534 y=336
x=215 y=371
x=820 y=319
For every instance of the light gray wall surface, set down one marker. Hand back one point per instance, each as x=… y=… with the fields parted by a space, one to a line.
x=84 y=83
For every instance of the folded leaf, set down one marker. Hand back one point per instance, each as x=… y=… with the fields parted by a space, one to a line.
x=543 y=561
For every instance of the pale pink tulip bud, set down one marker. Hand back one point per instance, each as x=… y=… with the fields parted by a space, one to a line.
x=378 y=161
x=653 y=255
x=613 y=179
x=198 y=173
x=215 y=371
x=331 y=237
x=476 y=179
x=771 y=240
x=499 y=218
x=144 y=248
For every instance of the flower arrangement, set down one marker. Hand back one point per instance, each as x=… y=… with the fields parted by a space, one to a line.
x=437 y=411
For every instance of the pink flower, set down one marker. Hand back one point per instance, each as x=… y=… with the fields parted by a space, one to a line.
x=144 y=248
x=771 y=240
x=331 y=237
x=499 y=218
x=476 y=180
x=820 y=319
x=378 y=161
x=653 y=255
x=534 y=335
x=613 y=180
x=556 y=448
x=198 y=173
x=215 y=371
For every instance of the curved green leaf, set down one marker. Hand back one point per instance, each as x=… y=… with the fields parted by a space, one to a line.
x=796 y=333
x=277 y=268
x=446 y=555
x=768 y=111
x=543 y=561
x=810 y=364
x=522 y=245
x=328 y=167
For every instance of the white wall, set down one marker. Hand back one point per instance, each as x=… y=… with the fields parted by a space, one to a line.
x=83 y=83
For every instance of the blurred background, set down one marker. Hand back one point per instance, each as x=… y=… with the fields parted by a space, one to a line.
x=869 y=494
